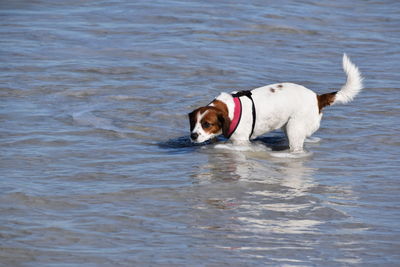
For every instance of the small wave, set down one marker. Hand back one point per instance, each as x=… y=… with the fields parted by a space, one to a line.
x=80 y=93
x=291 y=155
x=313 y=140
x=284 y=29
x=137 y=99
x=40 y=201
x=249 y=147
x=87 y=118
x=123 y=97
x=115 y=70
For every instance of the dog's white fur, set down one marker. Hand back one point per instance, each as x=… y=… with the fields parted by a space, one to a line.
x=289 y=106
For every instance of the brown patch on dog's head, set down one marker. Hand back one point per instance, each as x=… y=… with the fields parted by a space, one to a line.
x=211 y=121
x=220 y=106
x=214 y=119
x=222 y=115
x=272 y=90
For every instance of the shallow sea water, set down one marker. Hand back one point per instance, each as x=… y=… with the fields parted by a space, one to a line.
x=96 y=167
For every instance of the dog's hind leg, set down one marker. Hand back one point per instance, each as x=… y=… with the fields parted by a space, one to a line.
x=296 y=134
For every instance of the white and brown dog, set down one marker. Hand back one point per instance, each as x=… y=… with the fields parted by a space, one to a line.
x=242 y=116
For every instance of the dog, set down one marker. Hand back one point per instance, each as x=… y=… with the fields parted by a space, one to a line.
x=245 y=115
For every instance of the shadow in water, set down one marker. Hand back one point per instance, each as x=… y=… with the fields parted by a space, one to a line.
x=182 y=143
x=277 y=142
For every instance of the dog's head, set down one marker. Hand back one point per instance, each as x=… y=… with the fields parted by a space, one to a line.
x=207 y=123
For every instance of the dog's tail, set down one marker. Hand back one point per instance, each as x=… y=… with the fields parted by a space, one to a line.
x=348 y=91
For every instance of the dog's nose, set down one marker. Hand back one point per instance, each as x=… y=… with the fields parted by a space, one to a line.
x=194 y=136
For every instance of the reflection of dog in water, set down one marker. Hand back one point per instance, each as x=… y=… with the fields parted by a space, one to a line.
x=245 y=115
x=260 y=188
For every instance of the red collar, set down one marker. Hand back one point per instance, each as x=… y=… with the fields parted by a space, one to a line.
x=237 y=114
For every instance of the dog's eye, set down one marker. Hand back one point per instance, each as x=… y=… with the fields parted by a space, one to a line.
x=205 y=125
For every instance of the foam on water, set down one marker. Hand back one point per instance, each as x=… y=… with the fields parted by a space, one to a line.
x=258 y=147
x=292 y=155
x=243 y=147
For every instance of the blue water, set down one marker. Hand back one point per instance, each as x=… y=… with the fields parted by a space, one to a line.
x=96 y=167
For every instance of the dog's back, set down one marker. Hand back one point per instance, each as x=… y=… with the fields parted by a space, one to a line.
x=277 y=103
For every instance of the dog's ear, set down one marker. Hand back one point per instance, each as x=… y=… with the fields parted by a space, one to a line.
x=192 y=119
x=225 y=123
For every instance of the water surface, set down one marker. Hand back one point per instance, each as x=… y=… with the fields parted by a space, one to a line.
x=96 y=166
